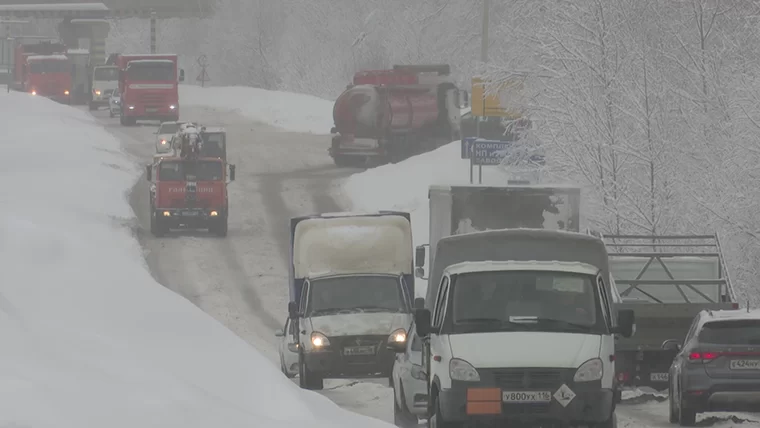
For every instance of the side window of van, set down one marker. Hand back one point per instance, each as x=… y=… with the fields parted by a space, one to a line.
x=440 y=301
x=605 y=300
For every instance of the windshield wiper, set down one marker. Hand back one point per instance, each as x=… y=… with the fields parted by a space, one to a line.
x=565 y=323
x=376 y=308
x=501 y=323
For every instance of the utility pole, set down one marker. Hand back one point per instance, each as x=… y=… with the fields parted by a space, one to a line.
x=152 y=32
x=484 y=29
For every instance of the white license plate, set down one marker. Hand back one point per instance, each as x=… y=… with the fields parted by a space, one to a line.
x=658 y=377
x=744 y=365
x=526 y=396
x=151 y=110
x=359 y=350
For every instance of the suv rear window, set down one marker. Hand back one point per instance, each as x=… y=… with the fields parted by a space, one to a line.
x=733 y=332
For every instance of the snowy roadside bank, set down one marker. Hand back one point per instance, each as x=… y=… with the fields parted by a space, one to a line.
x=286 y=110
x=88 y=335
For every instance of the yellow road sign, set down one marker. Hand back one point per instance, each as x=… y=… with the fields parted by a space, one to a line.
x=493 y=104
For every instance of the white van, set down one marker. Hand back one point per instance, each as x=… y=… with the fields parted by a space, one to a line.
x=105 y=81
x=521 y=342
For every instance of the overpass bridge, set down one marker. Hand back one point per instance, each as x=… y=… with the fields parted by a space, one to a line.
x=88 y=19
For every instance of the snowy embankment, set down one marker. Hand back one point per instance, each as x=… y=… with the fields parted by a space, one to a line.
x=289 y=111
x=89 y=338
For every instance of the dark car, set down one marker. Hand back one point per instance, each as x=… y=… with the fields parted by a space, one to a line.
x=718 y=367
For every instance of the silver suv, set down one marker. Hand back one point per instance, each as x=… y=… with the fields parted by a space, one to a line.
x=718 y=366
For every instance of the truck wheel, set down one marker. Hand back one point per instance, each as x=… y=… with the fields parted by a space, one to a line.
x=219 y=227
x=436 y=420
x=402 y=418
x=307 y=378
x=157 y=228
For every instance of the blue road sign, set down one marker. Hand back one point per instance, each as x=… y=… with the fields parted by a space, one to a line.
x=467 y=146
x=489 y=152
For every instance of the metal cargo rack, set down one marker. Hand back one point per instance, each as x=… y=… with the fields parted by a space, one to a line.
x=662 y=249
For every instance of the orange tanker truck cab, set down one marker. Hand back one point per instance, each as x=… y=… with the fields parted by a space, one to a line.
x=148 y=85
x=189 y=193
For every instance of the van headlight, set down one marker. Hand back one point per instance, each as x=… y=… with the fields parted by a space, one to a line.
x=462 y=370
x=319 y=340
x=398 y=336
x=589 y=371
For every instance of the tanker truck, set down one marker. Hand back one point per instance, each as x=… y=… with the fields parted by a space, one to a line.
x=390 y=115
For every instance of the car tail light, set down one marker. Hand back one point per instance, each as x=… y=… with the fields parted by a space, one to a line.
x=703 y=356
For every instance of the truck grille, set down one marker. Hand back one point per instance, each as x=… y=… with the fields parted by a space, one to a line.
x=520 y=379
x=153 y=99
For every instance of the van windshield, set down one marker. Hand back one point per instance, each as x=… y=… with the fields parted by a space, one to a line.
x=525 y=301
x=106 y=74
x=364 y=293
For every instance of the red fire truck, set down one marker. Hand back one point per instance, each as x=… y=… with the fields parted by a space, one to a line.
x=42 y=68
x=148 y=85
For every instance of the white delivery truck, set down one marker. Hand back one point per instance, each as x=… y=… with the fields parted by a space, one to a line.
x=522 y=342
x=105 y=81
x=351 y=288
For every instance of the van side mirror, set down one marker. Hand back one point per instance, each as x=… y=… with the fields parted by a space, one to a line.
x=232 y=172
x=419 y=255
x=149 y=172
x=419 y=303
x=181 y=75
x=671 y=345
x=626 y=321
x=292 y=310
x=422 y=322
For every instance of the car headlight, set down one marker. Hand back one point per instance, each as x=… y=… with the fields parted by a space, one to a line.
x=589 y=371
x=172 y=107
x=462 y=370
x=131 y=107
x=398 y=336
x=65 y=92
x=163 y=142
x=319 y=340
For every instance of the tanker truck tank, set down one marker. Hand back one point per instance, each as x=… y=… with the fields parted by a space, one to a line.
x=389 y=115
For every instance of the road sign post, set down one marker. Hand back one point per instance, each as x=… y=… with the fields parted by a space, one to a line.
x=202 y=61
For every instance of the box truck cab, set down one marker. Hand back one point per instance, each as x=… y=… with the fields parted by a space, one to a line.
x=521 y=342
x=351 y=288
x=105 y=81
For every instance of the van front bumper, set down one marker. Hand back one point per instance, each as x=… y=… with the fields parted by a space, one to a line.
x=335 y=363
x=590 y=402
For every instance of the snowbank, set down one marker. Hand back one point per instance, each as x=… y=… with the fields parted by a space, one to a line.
x=404 y=186
x=89 y=339
x=289 y=111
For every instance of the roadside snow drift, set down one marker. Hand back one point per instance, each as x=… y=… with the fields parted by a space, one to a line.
x=289 y=111
x=89 y=339
x=404 y=186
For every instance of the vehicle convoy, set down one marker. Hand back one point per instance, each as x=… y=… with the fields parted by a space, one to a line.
x=148 y=84
x=105 y=81
x=189 y=192
x=522 y=342
x=667 y=280
x=80 y=75
x=390 y=115
x=457 y=210
x=718 y=366
x=42 y=68
x=351 y=284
